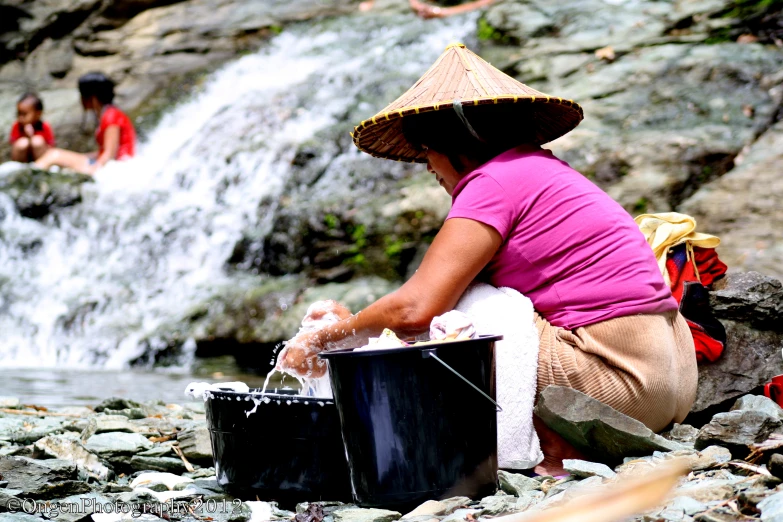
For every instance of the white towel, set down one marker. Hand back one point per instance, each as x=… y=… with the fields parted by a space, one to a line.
x=506 y=312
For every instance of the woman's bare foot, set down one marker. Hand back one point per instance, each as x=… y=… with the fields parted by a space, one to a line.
x=555 y=449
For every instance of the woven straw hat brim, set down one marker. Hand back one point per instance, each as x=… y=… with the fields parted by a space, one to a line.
x=459 y=74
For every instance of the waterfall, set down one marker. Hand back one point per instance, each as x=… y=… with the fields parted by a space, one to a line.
x=84 y=287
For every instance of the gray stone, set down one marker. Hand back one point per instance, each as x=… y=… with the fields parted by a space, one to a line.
x=168 y=464
x=584 y=469
x=116 y=444
x=750 y=298
x=438 y=507
x=195 y=443
x=775 y=465
x=736 y=430
x=758 y=403
x=516 y=484
x=705 y=491
x=30 y=430
x=365 y=515
x=86 y=504
x=750 y=359
x=594 y=428
x=682 y=433
x=528 y=499
x=497 y=505
x=60 y=447
x=460 y=515
x=687 y=505
x=39 y=481
x=772 y=508
x=105 y=423
x=117 y=403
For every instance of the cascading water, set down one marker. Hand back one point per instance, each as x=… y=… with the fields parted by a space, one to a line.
x=85 y=287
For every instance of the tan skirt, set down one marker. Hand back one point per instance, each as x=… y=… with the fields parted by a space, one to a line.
x=641 y=365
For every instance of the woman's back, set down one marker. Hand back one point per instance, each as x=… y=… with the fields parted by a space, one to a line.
x=567 y=245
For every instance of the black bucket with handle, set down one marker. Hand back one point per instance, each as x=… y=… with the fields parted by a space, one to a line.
x=418 y=422
x=289 y=449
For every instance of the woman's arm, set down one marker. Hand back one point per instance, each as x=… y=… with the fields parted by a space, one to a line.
x=460 y=251
x=111 y=144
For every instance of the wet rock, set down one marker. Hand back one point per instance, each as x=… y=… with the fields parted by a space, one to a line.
x=365 y=515
x=39 y=481
x=736 y=430
x=61 y=447
x=196 y=444
x=36 y=193
x=166 y=464
x=117 y=403
x=516 y=484
x=584 y=469
x=596 y=429
x=117 y=446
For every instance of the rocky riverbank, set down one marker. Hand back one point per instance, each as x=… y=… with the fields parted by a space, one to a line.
x=124 y=460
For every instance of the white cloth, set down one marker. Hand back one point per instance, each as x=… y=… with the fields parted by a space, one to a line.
x=453 y=325
x=506 y=312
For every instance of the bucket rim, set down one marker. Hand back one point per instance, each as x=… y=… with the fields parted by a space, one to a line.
x=255 y=393
x=349 y=352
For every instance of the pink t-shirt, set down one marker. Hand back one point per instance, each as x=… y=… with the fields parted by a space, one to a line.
x=567 y=245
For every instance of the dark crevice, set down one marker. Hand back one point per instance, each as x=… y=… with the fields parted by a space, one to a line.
x=702 y=169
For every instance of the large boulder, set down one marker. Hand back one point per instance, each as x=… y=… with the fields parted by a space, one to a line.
x=596 y=429
x=750 y=306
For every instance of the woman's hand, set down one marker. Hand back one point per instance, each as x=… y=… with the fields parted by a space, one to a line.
x=324 y=313
x=300 y=356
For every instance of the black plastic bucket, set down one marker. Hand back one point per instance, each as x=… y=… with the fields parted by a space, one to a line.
x=413 y=430
x=289 y=450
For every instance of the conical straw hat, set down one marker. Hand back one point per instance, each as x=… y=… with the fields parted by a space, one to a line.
x=459 y=74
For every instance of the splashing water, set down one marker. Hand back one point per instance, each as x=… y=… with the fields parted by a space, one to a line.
x=89 y=286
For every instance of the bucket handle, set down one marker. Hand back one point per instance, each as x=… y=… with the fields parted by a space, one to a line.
x=431 y=353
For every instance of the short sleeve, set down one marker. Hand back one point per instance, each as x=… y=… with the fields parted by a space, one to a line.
x=15 y=134
x=111 y=116
x=484 y=200
x=48 y=135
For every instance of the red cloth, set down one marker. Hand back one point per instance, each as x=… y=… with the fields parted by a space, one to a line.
x=113 y=116
x=39 y=129
x=681 y=271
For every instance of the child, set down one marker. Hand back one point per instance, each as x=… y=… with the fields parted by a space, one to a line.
x=30 y=136
x=115 y=135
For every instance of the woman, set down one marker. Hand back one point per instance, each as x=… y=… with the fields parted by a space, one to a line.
x=115 y=135
x=607 y=323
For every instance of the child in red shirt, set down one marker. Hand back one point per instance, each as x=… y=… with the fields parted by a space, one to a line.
x=31 y=137
x=115 y=135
